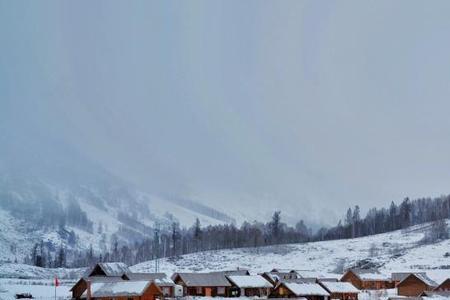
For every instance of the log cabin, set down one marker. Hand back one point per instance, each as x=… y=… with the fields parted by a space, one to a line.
x=399 y=276
x=122 y=290
x=113 y=272
x=166 y=285
x=340 y=290
x=310 y=291
x=444 y=286
x=368 y=279
x=415 y=284
x=249 y=286
x=203 y=284
x=81 y=285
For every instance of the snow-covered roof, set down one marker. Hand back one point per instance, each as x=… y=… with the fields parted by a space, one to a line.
x=422 y=277
x=370 y=274
x=159 y=278
x=399 y=276
x=111 y=269
x=203 y=279
x=306 y=289
x=250 y=281
x=339 y=287
x=117 y=289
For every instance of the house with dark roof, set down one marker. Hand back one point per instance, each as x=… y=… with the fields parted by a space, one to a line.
x=415 y=284
x=309 y=291
x=368 y=279
x=203 y=284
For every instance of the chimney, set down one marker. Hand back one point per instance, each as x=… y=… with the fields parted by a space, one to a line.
x=88 y=290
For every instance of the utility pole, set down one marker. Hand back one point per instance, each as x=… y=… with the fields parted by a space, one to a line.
x=156 y=241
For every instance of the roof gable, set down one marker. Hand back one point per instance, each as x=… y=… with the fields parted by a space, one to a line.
x=109 y=269
x=202 y=279
x=421 y=277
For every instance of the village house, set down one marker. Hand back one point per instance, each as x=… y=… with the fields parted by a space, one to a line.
x=415 y=284
x=368 y=279
x=340 y=290
x=444 y=286
x=310 y=291
x=275 y=276
x=108 y=273
x=122 y=290
x=166 y=284
x=249 y=286
x=398 y=277
x=203 y=284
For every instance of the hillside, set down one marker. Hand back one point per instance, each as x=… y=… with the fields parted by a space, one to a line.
x=391 y=252
x=395 y=251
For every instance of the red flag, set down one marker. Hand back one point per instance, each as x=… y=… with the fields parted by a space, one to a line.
x=56 y=281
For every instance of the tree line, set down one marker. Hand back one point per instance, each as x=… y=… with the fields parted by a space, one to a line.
x=174 y=240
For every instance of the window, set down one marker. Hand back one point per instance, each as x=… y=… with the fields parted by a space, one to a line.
x=199 y=290
x=220 y=290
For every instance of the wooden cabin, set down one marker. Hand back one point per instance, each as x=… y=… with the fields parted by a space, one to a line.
x=310 y=291
x=123 y=290
x=165 y=284
x=398 y=277
x=444 y=286
x=203 y=284
x=112 y=272
x=368 y=279
x=340 y=290
x=81 y=285
x=249 y=286
x=415 y=284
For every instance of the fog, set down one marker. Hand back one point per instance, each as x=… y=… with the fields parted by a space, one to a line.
x=304 y=106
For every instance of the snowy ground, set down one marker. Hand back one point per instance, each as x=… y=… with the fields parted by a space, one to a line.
x=394 y=252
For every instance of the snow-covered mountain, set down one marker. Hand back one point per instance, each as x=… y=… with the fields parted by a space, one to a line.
x=50 y=192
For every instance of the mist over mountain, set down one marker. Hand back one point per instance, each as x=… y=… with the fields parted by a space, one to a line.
x=307 y=110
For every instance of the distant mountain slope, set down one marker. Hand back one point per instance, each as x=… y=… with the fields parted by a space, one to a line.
x=395 y=251
x=50 y=192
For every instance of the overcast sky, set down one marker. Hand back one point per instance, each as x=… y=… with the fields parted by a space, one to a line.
x=298 y=104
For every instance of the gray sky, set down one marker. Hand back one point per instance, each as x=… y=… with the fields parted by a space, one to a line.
x=312 y=105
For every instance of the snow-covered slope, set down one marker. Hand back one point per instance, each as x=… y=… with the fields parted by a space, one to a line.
x=391 y=252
